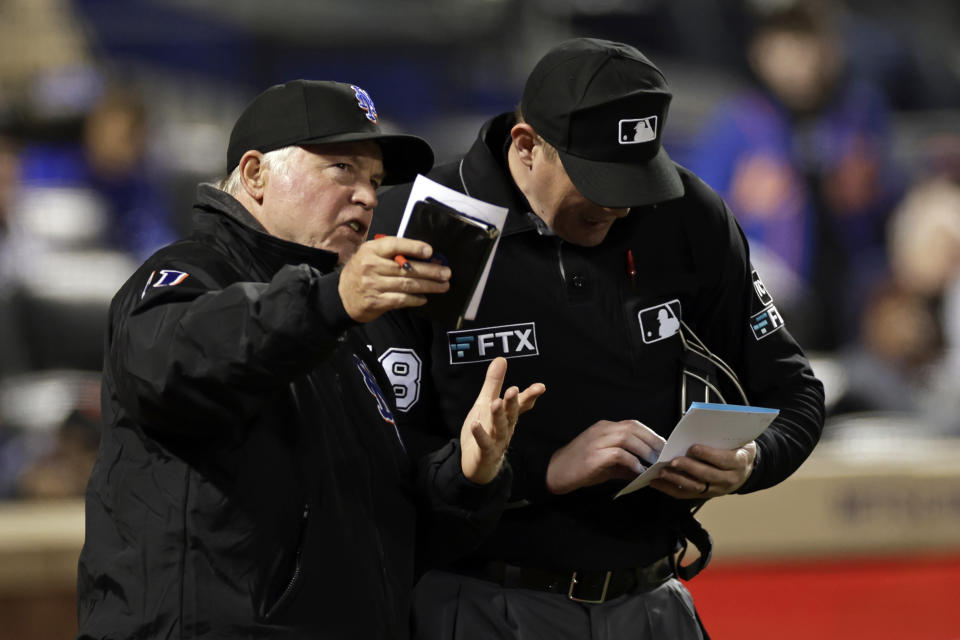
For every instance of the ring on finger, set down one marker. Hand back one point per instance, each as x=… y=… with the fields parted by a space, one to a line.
x=706 y=488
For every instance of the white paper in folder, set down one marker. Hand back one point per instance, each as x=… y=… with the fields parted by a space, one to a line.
x=423 y=188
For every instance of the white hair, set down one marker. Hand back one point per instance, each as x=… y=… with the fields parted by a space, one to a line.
x=278 y=161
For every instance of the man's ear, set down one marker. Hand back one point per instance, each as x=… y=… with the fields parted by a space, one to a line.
x=252 y=174
x=524 y=140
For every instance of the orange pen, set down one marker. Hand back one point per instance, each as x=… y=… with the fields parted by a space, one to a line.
x=399 y=259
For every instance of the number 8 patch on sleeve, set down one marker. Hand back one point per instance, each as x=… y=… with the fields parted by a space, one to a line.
x=403 y=367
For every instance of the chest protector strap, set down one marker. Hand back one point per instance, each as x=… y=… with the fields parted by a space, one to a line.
x=703 y=376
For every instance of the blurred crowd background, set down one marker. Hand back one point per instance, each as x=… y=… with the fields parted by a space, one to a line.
x=831 y=128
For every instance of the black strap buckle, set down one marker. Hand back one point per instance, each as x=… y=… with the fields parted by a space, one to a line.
x=693 y=531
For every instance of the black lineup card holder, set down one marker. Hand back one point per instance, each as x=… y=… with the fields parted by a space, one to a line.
x=459 y=241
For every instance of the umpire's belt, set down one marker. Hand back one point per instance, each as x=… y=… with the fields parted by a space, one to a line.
x=591 y=586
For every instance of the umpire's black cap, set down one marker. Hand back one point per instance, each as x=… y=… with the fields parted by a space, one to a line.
x=316 y=112
x=603 y=105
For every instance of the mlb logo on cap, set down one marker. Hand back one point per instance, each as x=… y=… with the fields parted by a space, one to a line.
x=638 y=130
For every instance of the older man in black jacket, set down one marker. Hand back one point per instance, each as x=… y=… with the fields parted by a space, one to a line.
x=251 y=482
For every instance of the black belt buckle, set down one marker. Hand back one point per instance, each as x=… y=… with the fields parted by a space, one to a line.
x=603 y=592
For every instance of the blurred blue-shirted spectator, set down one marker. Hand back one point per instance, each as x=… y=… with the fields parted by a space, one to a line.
x=110 y=163
x=802 y=161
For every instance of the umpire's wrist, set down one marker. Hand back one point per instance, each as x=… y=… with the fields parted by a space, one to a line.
x=752 y=479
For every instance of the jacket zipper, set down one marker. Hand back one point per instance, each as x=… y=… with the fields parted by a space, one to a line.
x=563 y=272
x=297 y=567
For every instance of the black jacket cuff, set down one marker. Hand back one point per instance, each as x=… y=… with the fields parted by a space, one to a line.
x=333 y=317
x=456 y=489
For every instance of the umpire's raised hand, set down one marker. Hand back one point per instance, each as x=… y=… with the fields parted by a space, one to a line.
x=488 y=427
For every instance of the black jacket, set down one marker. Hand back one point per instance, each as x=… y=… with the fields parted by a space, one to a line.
x=573 y=318
x=251 y=482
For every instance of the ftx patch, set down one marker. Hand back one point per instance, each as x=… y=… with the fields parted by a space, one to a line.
x=487 y=343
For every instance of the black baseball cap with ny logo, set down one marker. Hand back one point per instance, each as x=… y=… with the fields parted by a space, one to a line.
x=303 y=112
x=603 y=106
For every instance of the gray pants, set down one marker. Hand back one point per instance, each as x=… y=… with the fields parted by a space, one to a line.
x=449 y=606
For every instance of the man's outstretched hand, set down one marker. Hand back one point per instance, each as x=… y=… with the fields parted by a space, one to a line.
x=489 y=426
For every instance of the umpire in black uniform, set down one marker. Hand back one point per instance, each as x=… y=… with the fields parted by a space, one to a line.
x=251 y=482
x=613 y=266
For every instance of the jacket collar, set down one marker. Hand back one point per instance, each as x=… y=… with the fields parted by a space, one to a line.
x=264 y=248
x=484 y=174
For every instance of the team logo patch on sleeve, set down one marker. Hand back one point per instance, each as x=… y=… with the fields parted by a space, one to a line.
x=371 y=383
x=659 y=322
x=164 y=278
x=482 y=345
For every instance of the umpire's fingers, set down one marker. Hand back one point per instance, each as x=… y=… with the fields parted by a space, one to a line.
x=528 y=397
x=496 y=372
x=511 y=406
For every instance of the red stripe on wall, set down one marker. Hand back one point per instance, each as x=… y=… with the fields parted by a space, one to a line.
x=901 y=598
